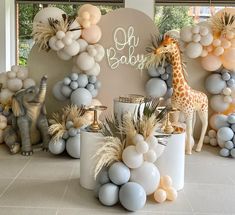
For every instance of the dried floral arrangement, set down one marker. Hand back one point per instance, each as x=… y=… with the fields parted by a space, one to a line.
x=120 y=135
x=43 y=32
x=70 y=114
x=223 y=24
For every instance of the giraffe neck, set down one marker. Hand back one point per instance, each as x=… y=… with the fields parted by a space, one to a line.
x=179 y=83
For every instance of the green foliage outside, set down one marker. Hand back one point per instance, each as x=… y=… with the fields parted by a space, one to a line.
x=172 y=17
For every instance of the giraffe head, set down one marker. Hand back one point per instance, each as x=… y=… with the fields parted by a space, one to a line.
x=168 y=45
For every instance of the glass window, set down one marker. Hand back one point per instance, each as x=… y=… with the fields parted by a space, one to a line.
x=175 y=17
x=26 y=13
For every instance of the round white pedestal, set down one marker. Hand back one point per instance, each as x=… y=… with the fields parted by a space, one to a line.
x=172 y=161
x=89 y=145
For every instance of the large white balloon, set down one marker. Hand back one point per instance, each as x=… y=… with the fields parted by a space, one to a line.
x=193 y=50
x=85 y=61
x=131 y=157
x=48 y=12
x=63 y=55
x=148 y=176
x=72 y=49
x=217 y=103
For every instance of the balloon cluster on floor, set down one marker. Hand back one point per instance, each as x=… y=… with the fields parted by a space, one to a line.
x=73 y=38
x=125 y=167
x=213 y=41
x=13 y=81
x=222 y=134
x=65 y=130
x=160 y=82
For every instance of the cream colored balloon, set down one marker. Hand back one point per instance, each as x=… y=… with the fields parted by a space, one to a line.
x=171 y=194
x=166 y=181
x=186 y=34
x=160 y=195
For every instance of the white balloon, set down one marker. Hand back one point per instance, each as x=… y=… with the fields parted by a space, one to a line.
x=14 y=68
x=193 y=50
x=206 y=40
x=48 y=12
x=186 y=34
x=227 y=91
x=148 y=176
x=204 y=30
x=142 y=147
x=14 y=84
x=22 y=73
x=217 y=103
x=52 y=42
x=59 y=44
x=28 y=83
x=5 y=95
x=83 y=44
x=63 y=55
x=131 y=157
x=196 y=38
x=196 y=29
x=85 y=61
x=11 y=74
x=204 y=53
x=67 y=40
x=72 y=49
x=60 y=35
x=150 y=156
x=95 y=70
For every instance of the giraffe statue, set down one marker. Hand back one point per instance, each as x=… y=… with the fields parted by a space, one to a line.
x=184 y=98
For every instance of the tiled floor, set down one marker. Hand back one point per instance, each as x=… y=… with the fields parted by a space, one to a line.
x=44 y=184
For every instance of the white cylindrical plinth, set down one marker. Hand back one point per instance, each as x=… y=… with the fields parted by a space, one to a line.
x=121 y=108
x=89 y=145
x=172 y=161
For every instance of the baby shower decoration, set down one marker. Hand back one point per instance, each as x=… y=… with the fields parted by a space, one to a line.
x=126 y=155
x=184 y=98
x=75 y=38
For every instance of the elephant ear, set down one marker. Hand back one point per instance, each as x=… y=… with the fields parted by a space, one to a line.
x=17 y=108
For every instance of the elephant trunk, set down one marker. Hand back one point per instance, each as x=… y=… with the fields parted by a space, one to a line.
x=42 y=90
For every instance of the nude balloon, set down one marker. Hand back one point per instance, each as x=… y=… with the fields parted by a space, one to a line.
x=228 y=59
x=211 y=62
x=92 y=35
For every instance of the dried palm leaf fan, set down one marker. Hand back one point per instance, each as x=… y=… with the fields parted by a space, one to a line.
x=223 y=24
x=42 y=32
x=72 y=113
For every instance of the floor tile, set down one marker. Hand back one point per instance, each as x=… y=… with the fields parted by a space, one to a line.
x=4 y=182
x=211 y=198
x=34 y=193
x=9 y=168
x=206 y=173
x=26 y=211
x=48 y=169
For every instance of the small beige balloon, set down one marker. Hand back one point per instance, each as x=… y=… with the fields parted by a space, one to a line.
x=160 y=195
x=166 y=181
x=171 y=194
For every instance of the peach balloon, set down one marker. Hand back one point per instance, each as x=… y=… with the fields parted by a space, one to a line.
x=225 y=43
x=171 y=194
x=211 y=62
x=228 y=59
x=218 y=51
x=212 y=121
x=92 y=35
x=233 y=43
x=231 y=109
x=165 y=182
x=217 y=42
x=160 y=195
x=204 y=53
x=94 y=12
x=209 y=48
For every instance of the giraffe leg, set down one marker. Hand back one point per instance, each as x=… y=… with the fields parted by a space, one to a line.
x=189 y=129
x=204 y=119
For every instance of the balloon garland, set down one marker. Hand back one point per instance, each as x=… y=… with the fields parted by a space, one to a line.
x=73 y=38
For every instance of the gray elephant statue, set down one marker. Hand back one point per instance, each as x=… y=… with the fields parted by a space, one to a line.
x=29 y=124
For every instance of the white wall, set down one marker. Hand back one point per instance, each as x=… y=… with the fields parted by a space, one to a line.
x=146 y=6
x=7 y=34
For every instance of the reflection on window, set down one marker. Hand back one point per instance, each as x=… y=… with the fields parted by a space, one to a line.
x=25 y=23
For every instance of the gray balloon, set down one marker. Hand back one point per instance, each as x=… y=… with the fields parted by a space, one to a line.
x=224 y=152
x=168 y=93
x=72 y=132
x=90 y=87
x=156 y=88
x=132 y=196
x=226 y=76
x=82 y=80
x=65 y=135
x=229 y=145
x=165 y=76
x=96 y=190
x=233 y=127
x=232 y=152
x=73 y=146
x=74 y=85
x=119 y=173
x=57 y=147
x=103 y=177
x=92 y=79
x=153 y=72
x=215 y=84
x=67 y=81
x=161 y=70
x=231 y=82
x=69 y=124
x=74 y=76
x=221 y=121
x=80 y=97
x=231 y=118
x=108 y=194
x=169 y=69
x=66 y=91
x=56 y=91
x=94 y=93
x=97 y=84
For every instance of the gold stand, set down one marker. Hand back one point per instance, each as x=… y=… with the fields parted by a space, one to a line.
x=168 y=128
x=95 y=126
